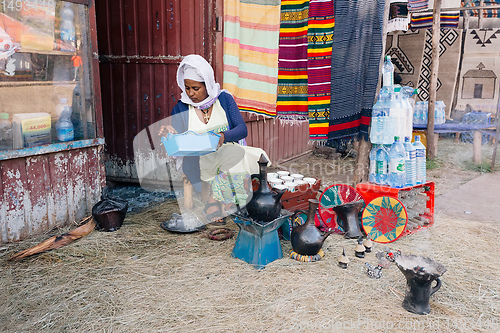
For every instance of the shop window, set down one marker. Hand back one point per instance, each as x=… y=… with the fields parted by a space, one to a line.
x=46 y=91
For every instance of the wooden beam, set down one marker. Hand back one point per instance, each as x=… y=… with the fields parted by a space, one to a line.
x=436 y=33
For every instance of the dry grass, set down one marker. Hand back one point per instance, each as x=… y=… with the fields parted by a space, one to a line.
x=142 y=278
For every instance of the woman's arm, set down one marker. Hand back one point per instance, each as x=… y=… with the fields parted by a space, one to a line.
x=237 y=127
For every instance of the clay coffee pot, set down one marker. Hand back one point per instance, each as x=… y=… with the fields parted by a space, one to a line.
x=306 y=239
x=420 y=273
x=265 y=205
x=347 y=215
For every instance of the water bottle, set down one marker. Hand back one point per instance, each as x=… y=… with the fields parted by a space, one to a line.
x=373 y=163
x=397 y=173
x=407 y=92
x=388 y=73
x=5 y=131
x=420 y=160
x=64 y=126
x=381 y=128
x=440 y=113
x=67 y=28
x=410 y=163
x=382 y=165
x=397 y=113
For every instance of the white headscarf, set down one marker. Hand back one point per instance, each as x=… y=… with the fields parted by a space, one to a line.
x=202 y=72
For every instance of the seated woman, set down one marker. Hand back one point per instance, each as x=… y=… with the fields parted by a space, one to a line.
x=205 y=107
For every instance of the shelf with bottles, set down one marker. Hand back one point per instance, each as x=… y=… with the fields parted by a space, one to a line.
x=418 y=201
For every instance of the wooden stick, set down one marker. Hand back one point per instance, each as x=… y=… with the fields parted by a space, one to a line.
x=56 y=242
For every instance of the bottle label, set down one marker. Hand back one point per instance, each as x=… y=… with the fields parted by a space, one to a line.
x=397 y=166
x=387 y=79
x=420 y=153
x=381 y=167
x=65 y=134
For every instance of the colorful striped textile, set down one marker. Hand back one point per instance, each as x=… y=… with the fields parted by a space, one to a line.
x=486 y=12
x=319 y=63
x=292 y=101
x=417 y=5
x=356 y=55
x=251 y=35
x=449 y=20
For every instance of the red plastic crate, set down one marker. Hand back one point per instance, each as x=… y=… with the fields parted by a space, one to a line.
x=371 y=191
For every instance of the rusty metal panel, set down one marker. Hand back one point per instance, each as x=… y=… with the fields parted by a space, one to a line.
x=38 y=193
x=279 y=141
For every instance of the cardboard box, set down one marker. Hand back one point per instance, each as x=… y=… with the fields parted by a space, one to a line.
x=31 y=129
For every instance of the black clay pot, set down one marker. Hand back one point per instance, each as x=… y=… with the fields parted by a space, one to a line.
x=265 y=205
x=306 y=239
x=420 y=273
x=347 y=215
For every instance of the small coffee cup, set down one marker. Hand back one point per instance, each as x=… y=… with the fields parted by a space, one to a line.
x=296 y=176
x=282 y=173
x=272 y=175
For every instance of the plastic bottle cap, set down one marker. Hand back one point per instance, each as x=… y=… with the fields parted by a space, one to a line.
x=4 y=115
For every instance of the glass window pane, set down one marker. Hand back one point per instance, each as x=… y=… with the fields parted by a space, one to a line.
x=46 y=89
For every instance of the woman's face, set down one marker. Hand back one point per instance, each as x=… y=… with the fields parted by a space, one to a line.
x=195 y=90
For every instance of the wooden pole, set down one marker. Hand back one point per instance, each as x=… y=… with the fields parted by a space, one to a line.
x=436 y=33
x=480 y=15
x=361 y=172
x=497 y=133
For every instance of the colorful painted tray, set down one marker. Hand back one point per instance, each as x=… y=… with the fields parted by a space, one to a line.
x=335 y=195
x=384 y=219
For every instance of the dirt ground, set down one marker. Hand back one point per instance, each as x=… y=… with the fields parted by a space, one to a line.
x=142 y=278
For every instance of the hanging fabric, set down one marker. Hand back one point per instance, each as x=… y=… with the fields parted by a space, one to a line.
x=417 y=5
x=292 y=67
x=356 y=54
x=319 y=60
x=449 y=20
x=399 y=18
x=251 y=34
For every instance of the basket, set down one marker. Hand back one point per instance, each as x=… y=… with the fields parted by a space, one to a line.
x=190 y=143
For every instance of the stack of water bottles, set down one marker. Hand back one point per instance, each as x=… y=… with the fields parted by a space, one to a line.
x=422 y=110
x=394 y=160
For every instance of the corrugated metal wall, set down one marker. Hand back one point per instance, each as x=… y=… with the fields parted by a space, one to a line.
x=141 y=43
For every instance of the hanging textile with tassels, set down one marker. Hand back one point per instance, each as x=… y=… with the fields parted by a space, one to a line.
x=251 y=34
x=356 y=54
x=319 y=60
x=292 y=102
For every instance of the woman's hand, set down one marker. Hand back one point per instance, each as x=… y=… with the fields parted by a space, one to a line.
x=165 y=129
x=221 y=139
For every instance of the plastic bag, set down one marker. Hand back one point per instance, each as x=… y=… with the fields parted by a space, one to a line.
x=109 y=213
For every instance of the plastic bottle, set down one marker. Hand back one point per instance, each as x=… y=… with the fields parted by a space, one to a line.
x=440 y=117
x=381 y=128
x=373 y=163
x=64 y=126
x=5 y=131
x=382 y=165
x=420 y=160
x=67 y=28
x=397 y=173
x=77 y=111
x=388 y=72
x=407 y=92
x=410 y=163
x=397 y=113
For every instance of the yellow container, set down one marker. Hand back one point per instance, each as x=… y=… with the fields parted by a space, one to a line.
x=423 y=136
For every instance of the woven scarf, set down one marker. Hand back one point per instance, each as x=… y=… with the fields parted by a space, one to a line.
x=356 y=55
x=319 y=61
x=486 y=12
x=292 y=67
x=251 y=34
x=449 y=20
x=417 y=5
